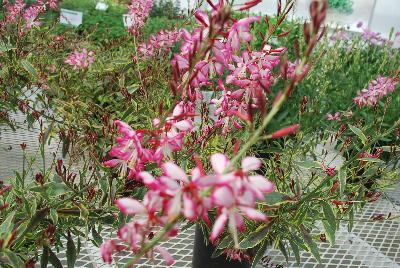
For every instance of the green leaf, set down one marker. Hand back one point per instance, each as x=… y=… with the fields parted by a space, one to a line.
x=260 y=253
x=373 y=160
x=311 y=245
x=7 y=225
x=14 y=260
x=44 y=259
x=351 y=219
x=226 y=242
x=54 y=260
x=29 y=68
x=308 y=164
x=329 y=213
x=282 y=248
x=342 y=174
x=53 y=216
x=274 y=198
x=359 y=133
x=97 y=239
x=71 y=252
x=295 y=250
x=254 y=238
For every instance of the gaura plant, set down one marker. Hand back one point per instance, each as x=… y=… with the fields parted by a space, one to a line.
x=229 y=201
x=224 y=162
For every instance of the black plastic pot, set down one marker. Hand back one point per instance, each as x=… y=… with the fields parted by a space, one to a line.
x=202 y=255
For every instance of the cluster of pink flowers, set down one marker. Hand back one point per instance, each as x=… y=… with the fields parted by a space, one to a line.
x=161 y=42
x=249 y=74
x=80 y=59
x=232 y=192
x=138 y=11
x=376 y=90
x=130 y=155
x=29 y=14
x=334 y=117
x=211 y=54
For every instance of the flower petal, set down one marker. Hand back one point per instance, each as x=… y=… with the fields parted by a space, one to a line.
x=261 y=183
x=223 y=196
x=254 y=214
x=169 y=260
x=219 y=162
x=250 y=163
x=174 y=172
x=130 y=206
x=218 y=227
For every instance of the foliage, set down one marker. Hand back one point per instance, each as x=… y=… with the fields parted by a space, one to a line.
x=77 y=108
x=341 y=5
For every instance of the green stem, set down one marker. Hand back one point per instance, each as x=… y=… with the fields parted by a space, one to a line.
x=152 y=243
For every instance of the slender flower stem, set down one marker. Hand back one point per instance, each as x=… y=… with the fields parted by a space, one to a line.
x=152 y=243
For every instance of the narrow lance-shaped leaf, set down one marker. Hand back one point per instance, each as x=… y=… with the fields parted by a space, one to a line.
x=71 y=251
x=359 y=133
x=311 y=245
x=342 y=174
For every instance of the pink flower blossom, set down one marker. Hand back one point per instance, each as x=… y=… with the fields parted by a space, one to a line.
x=376 y=90
x=334 y=117
x=240 y=32
x=80 y=59
x=162 y=42
x=139 y=10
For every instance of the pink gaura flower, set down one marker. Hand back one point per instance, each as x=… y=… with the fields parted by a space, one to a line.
x=240 y=32
x=235 y=194
x=334 y=117
x=80 y=59
x=376 y=90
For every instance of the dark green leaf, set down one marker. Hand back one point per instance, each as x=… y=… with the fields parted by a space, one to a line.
x=282 y=248
x=260 y=253
x=44 y=260
x=311 y=245
x=71 y=252
x=254 y=238
x=295 y=250
x=54 y=260
x=96 y=238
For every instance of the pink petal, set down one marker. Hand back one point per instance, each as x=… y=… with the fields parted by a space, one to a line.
x=169 y=260
x=250 y=163
x=223 y=196
x=254 y=214
x=148 y=179
x=184 y=125
x=111 y=163
x=261 y=183
x=130 y=206
x=189 y=208
x=218 y=227
x=174 y=172
x=219 y=162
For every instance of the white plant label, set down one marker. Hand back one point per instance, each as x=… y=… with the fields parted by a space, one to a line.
x=101 y=6
x=70 y=17
x=128 y=20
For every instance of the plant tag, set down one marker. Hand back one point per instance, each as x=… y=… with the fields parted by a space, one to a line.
x=70 y=17
x=128 y=20
x=101 y=6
